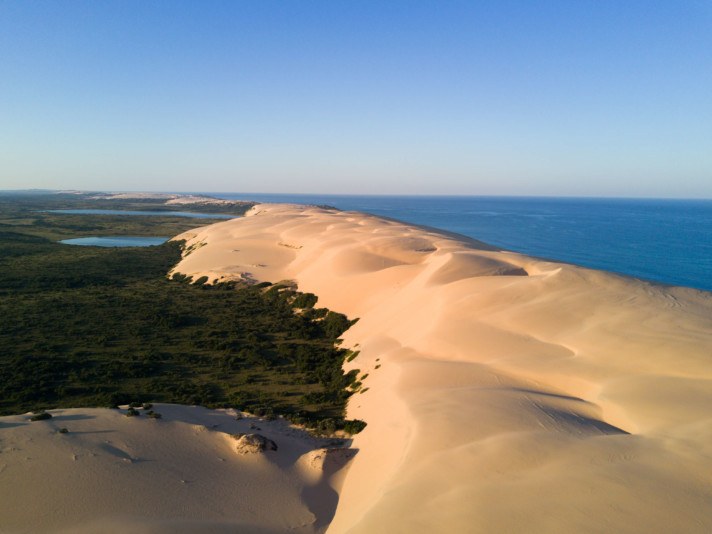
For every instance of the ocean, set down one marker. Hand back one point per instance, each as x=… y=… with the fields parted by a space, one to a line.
x=665 y=241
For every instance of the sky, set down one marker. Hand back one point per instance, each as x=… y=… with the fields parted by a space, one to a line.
x=554 y=98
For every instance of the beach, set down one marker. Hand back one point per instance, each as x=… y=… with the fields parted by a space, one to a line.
x=502 y=393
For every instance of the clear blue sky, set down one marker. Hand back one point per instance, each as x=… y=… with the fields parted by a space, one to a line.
x=571 y=97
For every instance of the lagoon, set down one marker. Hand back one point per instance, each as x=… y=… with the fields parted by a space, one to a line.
x=115 y=241
x=190 y=214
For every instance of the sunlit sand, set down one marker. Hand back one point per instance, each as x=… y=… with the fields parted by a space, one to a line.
x=503 y=394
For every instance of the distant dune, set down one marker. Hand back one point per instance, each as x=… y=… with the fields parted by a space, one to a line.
x=503 y=394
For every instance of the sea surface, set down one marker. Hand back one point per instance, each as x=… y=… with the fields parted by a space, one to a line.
x=666 y=241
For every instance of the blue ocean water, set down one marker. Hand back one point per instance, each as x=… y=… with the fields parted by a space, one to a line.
x=667 y=241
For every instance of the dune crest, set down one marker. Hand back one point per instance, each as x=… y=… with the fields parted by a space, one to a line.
x=504 y=393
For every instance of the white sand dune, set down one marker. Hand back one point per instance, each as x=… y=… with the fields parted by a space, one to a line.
x=504 y=393
x=182 y=473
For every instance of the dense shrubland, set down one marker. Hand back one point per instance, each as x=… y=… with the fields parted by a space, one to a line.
x=88 y=326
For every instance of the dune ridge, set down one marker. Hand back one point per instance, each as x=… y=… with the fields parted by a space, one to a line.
x=504 y=393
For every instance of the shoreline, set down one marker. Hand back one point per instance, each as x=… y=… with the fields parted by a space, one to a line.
x=503 y=393
x=544 y=227
x=499 y=358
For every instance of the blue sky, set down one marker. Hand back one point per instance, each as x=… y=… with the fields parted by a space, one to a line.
x=576 y=97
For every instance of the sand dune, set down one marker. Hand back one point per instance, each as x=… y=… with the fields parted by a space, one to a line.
x=504 y=393
x=183 y=473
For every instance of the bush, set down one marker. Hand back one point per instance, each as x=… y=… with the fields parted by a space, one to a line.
x=335 y=324
x=41 y=416
x=95 y=327
x=132 y=412
x=304 y=300
x=354 y=426
x=326 y=426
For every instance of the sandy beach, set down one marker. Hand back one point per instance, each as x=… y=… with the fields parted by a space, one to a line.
x=502 y=394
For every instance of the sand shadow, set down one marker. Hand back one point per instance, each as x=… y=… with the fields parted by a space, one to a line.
x=331 y=454
x=4 y=425
x=570 y=417
x=75 y=417
x=321 y=498
x=583 y=422
x=120 y=453
x=80 y=432
x=322 y=502
x=546 y=394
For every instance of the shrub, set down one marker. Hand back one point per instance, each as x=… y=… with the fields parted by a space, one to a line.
x=326 y=426
x=335 y=324
x=305 y=300
x=80 y=316
x=41 y=416
x=132 y=412
x=354 y=426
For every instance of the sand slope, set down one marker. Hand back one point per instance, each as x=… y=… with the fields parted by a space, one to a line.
x=180 y=474
x=505 y=394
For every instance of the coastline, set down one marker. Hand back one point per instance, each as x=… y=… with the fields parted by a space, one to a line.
x=569 y=394
x=620 y=235
x=503 y=393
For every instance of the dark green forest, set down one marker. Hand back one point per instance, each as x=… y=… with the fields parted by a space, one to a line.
x=92 y=326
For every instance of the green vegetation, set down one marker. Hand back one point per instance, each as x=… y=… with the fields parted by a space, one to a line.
x=25 y=213
x=354 y=426
x=91 y=326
